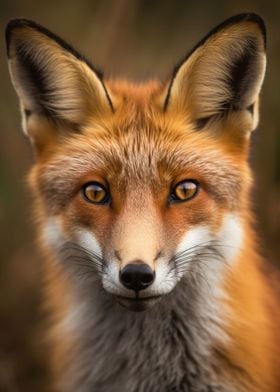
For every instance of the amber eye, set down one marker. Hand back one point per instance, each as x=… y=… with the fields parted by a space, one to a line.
x=184 y=190
x=95 y=193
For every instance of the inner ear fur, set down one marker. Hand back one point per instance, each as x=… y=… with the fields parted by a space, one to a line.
x=51 y=78
x=223 y=73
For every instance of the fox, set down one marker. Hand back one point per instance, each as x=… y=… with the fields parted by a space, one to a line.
x=153 y=275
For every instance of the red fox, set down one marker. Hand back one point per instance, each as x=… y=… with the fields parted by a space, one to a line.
x=142 y=197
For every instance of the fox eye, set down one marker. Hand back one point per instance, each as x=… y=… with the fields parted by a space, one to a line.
x=94 y=192
x=184 y=190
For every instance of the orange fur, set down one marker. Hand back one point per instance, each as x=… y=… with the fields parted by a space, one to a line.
x=150 y=141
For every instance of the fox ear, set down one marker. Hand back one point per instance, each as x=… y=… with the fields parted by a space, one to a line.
x=223 y=73
x=51 y=79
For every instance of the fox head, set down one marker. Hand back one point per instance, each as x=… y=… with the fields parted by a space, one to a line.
x=139 y=187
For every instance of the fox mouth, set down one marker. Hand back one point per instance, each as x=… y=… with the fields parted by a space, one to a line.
x=137 y=304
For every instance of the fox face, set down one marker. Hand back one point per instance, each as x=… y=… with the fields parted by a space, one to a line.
x=140 y=187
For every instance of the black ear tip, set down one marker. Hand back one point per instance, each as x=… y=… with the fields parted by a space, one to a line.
x=246 y=17
x=236 y=19
x=252 y=17
x=12 y=25
x=20 y=22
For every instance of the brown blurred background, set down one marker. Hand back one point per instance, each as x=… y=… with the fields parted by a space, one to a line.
x=138 y=39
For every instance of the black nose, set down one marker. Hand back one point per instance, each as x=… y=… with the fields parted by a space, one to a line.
x=137 y=276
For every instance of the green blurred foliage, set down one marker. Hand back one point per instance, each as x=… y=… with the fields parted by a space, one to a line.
x=139 y=40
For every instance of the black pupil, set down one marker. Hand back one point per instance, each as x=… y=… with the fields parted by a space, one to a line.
x=185 y=190
x=95 y=193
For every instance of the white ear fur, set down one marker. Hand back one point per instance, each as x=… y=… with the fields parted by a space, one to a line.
x=51 y=79
x=223 y=73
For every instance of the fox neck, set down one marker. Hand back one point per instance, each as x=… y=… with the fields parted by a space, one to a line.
x=175 y=335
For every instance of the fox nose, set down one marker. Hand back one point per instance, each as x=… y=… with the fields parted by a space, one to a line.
x=137 y=276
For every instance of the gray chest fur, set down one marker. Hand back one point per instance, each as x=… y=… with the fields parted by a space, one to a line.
x=164 y=349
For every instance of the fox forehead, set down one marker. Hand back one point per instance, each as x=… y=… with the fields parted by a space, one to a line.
x=139 y=144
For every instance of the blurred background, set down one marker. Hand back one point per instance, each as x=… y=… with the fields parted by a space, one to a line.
x=136 y=39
